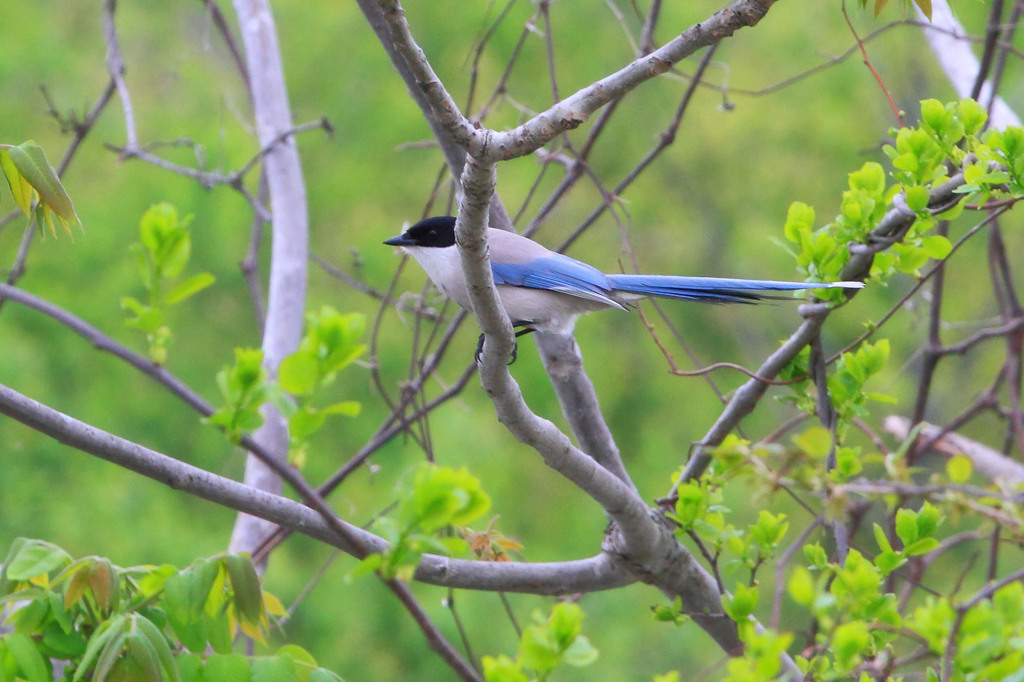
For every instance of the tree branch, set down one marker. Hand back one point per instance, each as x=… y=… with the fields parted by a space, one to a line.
x=286 y=300
x=600 y=572
x=640 y=538
x=574 y=110
x=987 y=461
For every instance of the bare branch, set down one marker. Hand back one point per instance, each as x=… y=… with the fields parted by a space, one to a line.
x=597 y=573
x=987 y=461
x=578 y=399
x=572 y=111
x=286 y=299
x=959 y=63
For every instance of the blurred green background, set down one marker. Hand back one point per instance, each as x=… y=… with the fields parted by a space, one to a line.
x=713 y=204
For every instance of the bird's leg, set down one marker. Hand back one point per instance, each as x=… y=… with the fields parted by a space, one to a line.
x=515 y=345
x=479 y=349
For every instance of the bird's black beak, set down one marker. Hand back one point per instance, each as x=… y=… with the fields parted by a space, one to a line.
x=400 y=240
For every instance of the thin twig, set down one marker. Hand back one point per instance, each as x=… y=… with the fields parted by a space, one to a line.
x=867 y=62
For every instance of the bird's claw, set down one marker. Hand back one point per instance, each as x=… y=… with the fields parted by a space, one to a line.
x=480 y=351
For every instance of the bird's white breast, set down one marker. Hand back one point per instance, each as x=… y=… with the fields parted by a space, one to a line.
x=444 y=270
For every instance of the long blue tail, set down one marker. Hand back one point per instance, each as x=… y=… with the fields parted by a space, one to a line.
x=713 y=289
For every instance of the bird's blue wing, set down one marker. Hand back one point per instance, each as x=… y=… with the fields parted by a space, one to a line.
x=557 y=273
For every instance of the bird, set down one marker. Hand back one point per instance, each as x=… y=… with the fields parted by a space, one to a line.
x=545 y=291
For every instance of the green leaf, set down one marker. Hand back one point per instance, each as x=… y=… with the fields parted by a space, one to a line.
x=670 y=614
x=141 y=651
x=741 y=603
x=911 y=258
x=31 y=162
x=159 y=645
x=248 y=369
x=191 y=286
x=333 y=335
x=30 y=617
x=305 y=423
x=227 y=668
x=273 y=669
x=297 y=654
x=928 y=520
x=192 y=634
x=849 y=641
x=29 y=660
x=537 y=650
x=954 y=211
x=126 y=669
x=691 y=504
x=452 y=546
x=815 y=555
x=906 y=526
x=870 y=178
x=959 y=468
x=933 y=114
x=936 y=246
x=218 y=632
x=98 y=642
x=801 y=586
x=874 y=356
x=369 y=564
x=6 y=584
x=972 y=114
x=324 y=675
x=36 y=558
x=246 y=586
x=905 y=162
x=502 y=669
x=158 y=220
x=815 y=441
x=881 y=539
x=154 y=578
x=149 y=320
x=174 y=252
x=347 y=408
x=921 y=546
x=799 y=222
x=175 y=600
x=111 y=652
x=61 y=644
x=848 y=462
x=200 y=578
x=442 y=496
x=298 y=373
x=917 y=198
x=858 y=579
x=190 y=667
x=566 y=622
x=20 y=188
x=888 y=561
x=769 y=530
x=580 y=653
